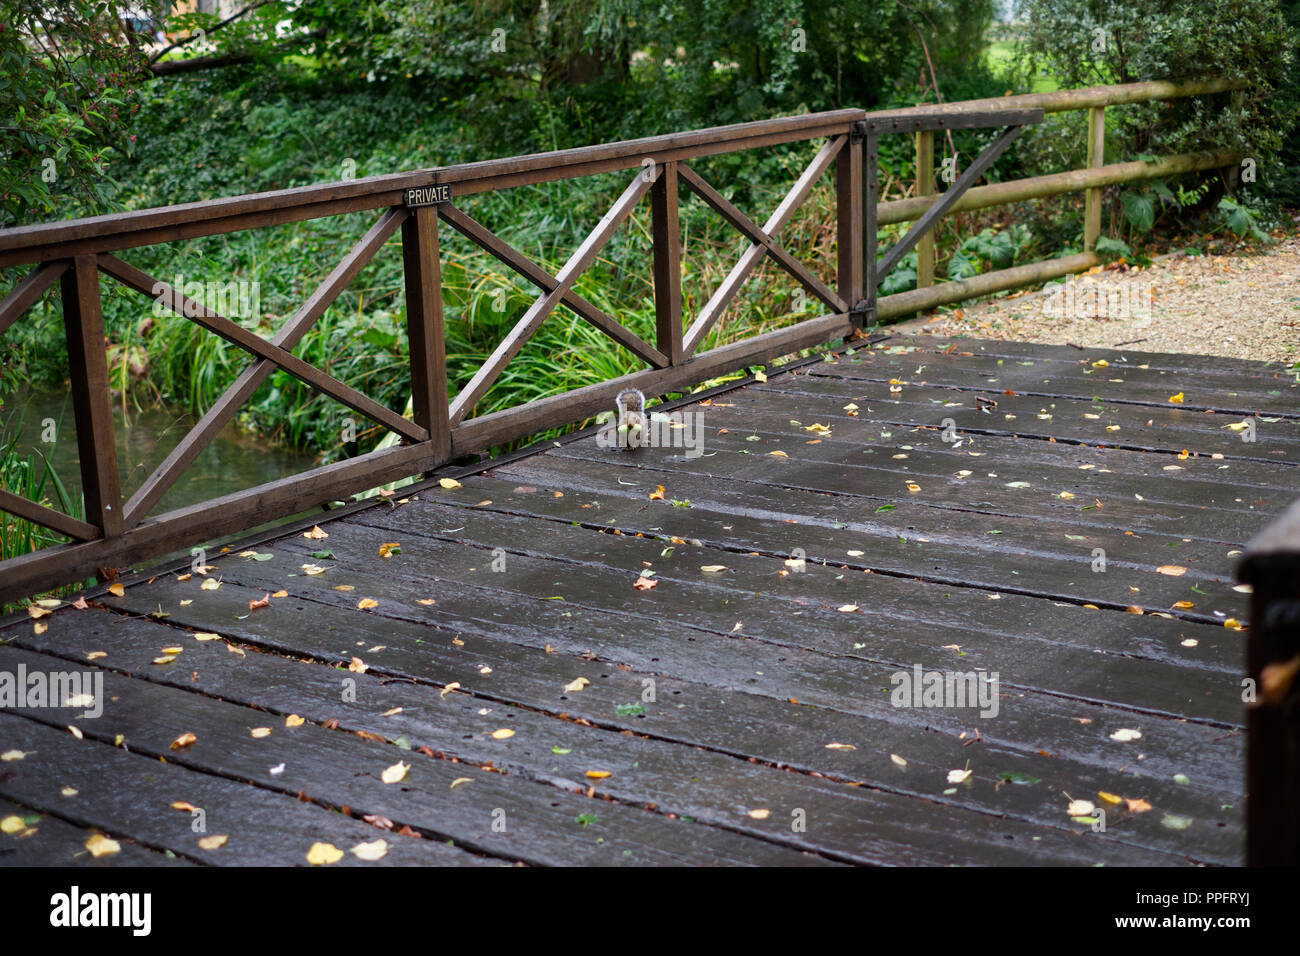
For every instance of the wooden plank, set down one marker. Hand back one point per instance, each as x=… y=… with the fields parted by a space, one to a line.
x=923 y=119
x=250 y=341
x=723 y=705
x=1096 y=421
x=750 y=258
x=423 y=276
x=1056 y=101
x=1217 y=365
x=854 y=464
x=1265 y=392
x=27 y=291
x=50 y=840
x=125 y=793
x=667 y=241
x=545 y=304
x=491 y=813
x=735 y=725
x=948 y=547
x=88 y=370
x=1143 y=674
x=1057 y=184
x=710 y=786
x=513 y=259
x=986 y=283
x=225 y=408
x=47 y=517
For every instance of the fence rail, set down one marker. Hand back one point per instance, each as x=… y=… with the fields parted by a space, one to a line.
x=120 y=530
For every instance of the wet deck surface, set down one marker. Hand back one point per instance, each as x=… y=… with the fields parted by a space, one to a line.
x=555 y=702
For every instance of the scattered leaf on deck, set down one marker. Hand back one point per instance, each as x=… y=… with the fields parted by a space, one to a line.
x=100 y=845
x=370 y=852
x=322 y=854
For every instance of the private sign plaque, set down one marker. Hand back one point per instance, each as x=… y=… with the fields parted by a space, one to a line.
x=428 y=195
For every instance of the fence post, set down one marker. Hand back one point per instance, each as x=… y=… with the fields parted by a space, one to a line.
x=423 y=273
x=1271 y=567
x=871 y=189
x=848 y=221
x=88 y=367
x=1096 y=159
x=667 y=239
x=925 y=252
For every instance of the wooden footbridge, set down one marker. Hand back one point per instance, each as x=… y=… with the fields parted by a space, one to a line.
x=909 y=601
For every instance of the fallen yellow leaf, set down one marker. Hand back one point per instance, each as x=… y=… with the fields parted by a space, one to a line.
x=322 y=854
x=100 y=845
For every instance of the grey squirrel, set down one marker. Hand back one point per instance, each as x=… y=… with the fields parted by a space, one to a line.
x=631 y=419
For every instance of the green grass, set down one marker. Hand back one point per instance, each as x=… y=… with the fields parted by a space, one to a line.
x=32 y=477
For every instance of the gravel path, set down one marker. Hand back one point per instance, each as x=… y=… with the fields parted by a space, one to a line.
x=1244 y=305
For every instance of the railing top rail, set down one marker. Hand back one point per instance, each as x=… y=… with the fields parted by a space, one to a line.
x=305 y=202
x=1058 y=101
x=115 y=231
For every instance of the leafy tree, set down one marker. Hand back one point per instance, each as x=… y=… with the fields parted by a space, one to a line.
x=1088 y=42
x=68 y=91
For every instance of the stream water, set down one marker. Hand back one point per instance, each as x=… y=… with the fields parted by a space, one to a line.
x=234 y=460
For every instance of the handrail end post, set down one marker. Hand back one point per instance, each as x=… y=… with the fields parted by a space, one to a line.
x=1271 y=566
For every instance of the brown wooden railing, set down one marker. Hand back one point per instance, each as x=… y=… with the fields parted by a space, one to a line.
x=119 y=530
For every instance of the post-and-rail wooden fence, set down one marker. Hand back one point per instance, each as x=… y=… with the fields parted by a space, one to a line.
x=120 y=529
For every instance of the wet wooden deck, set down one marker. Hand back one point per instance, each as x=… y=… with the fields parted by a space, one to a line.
x=553 y=712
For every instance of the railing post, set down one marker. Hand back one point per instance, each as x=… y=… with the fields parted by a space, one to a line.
x=88 y=367
x=870 y=197
x=925 y=251
x=1096 y=159
x=424 y=329
x=848 y=220
x=1271 y=567
x=667 y=237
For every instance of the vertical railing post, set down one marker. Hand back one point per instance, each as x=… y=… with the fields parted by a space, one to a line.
x=848 y=220
x=925 y=252
x=83 y=324
x=871 y=189
x=424 y=330
x=667 y=239
x=1096 y=158
x=1271 y=567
